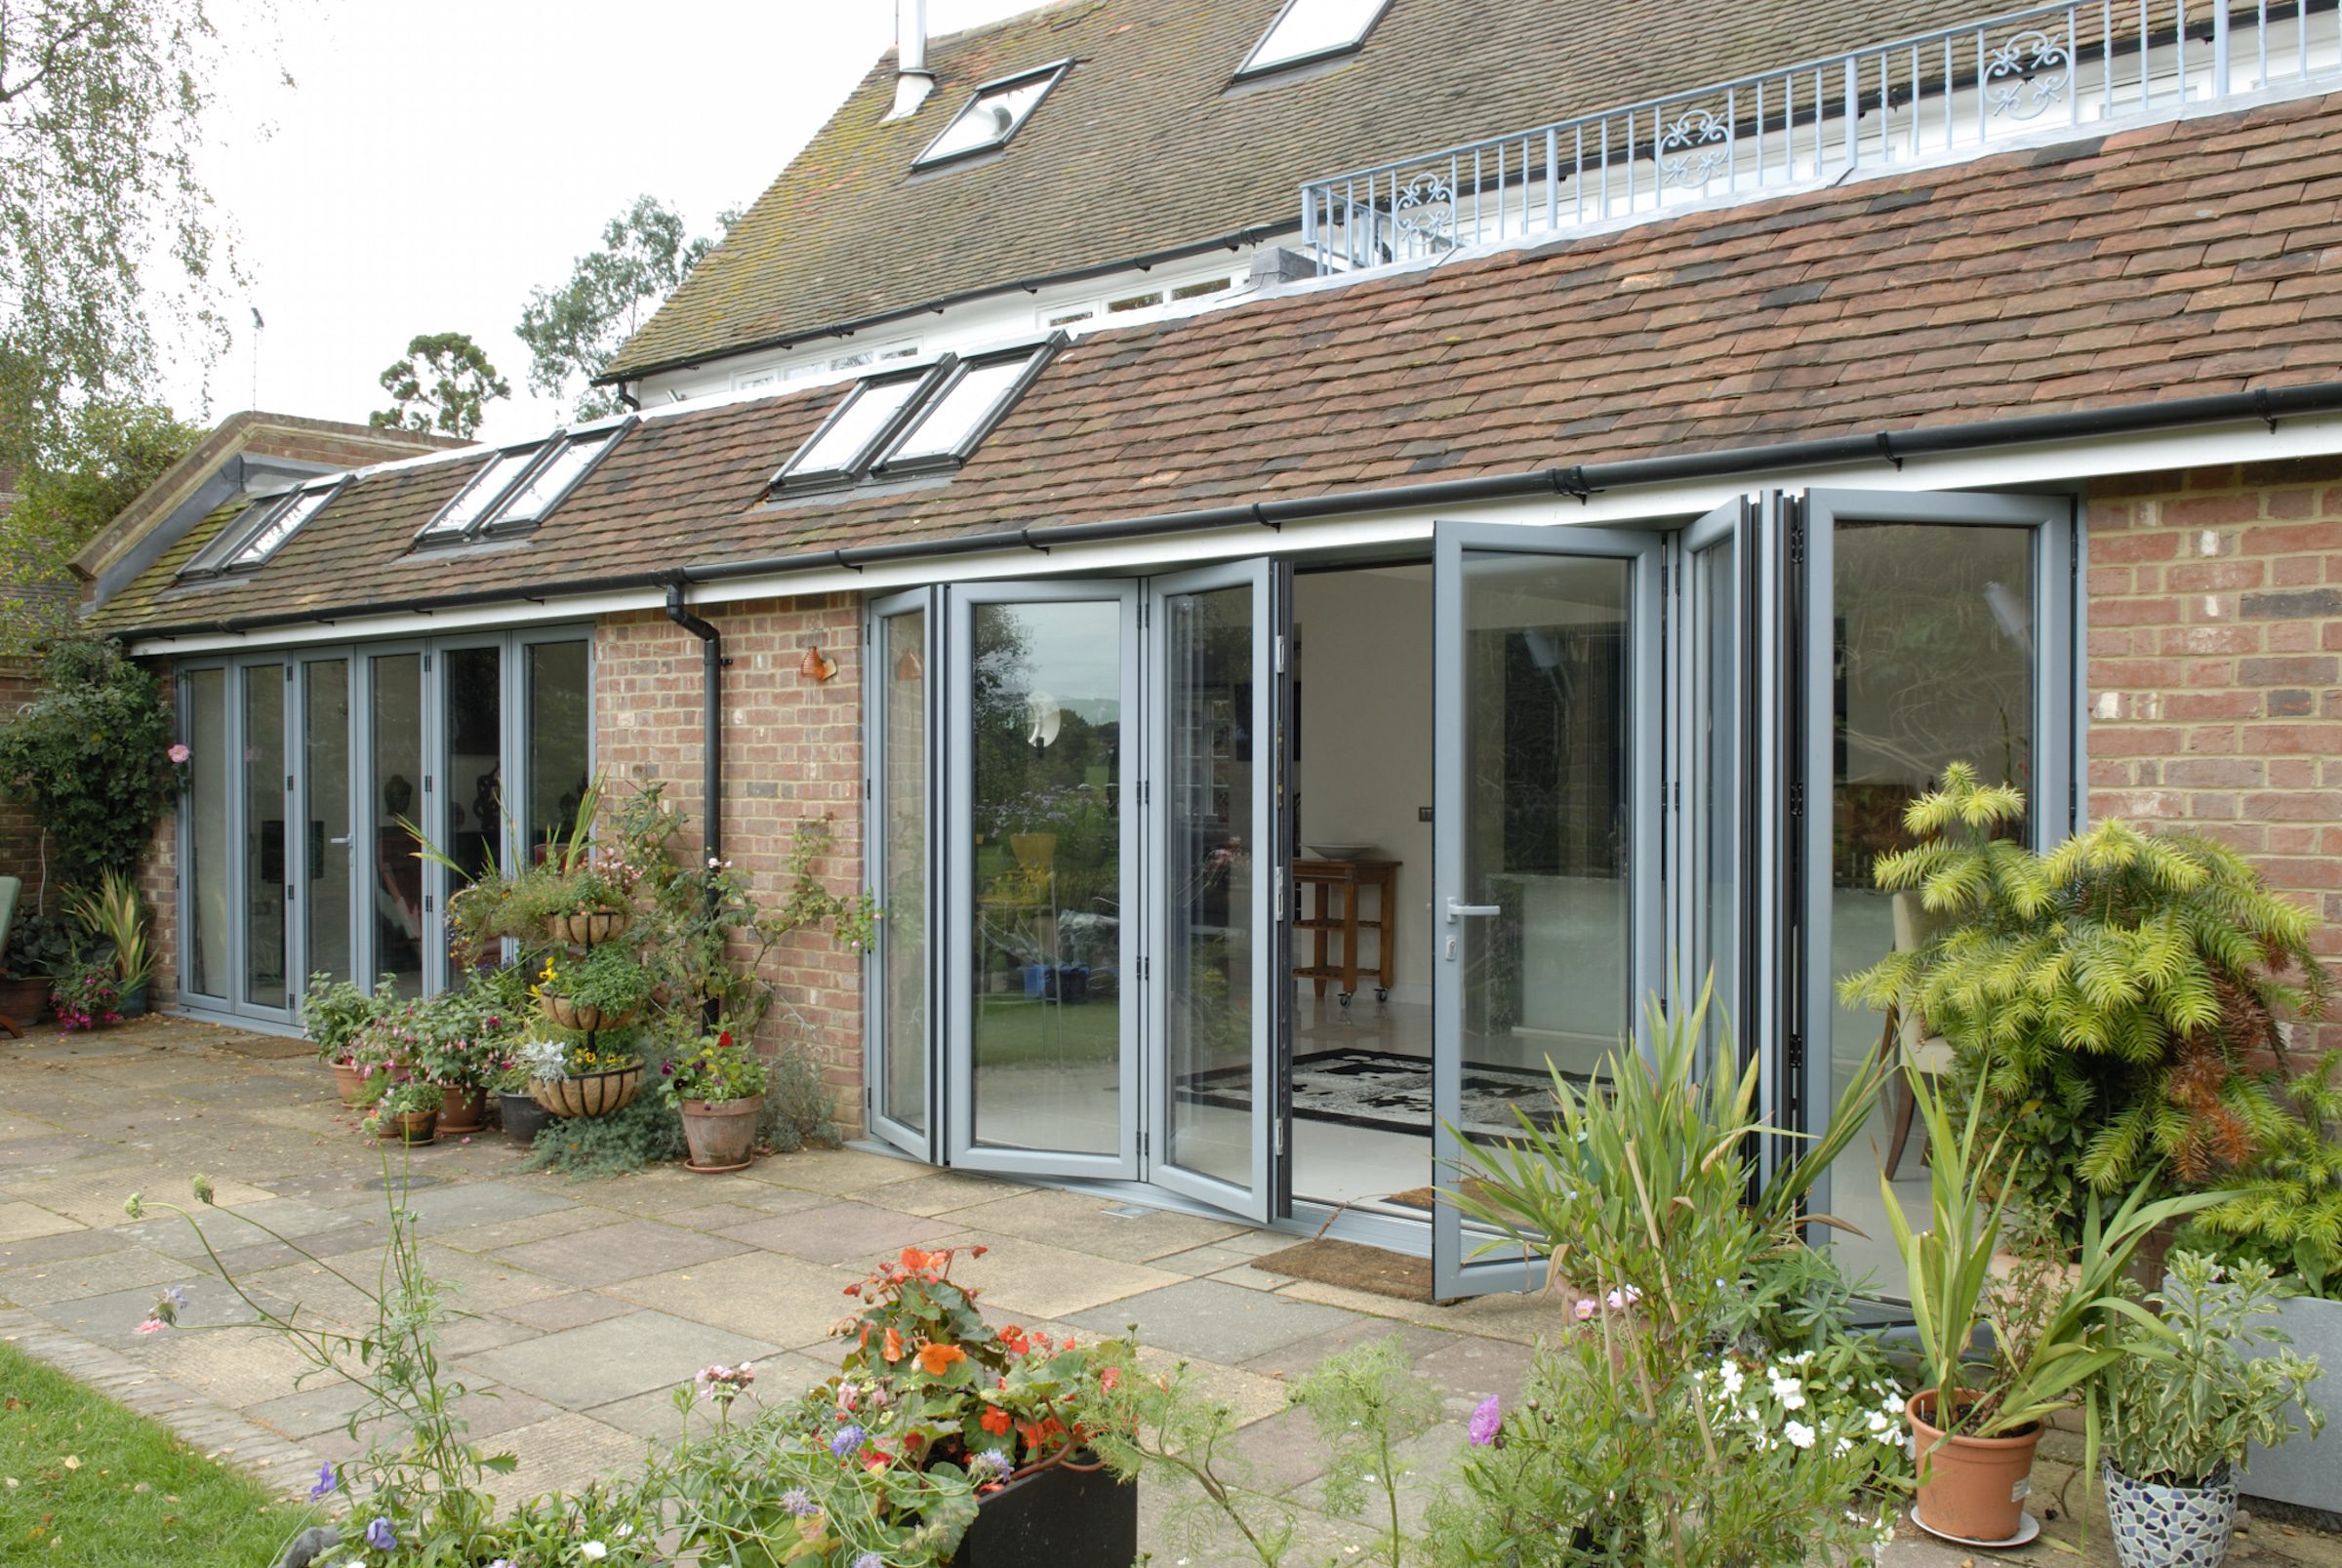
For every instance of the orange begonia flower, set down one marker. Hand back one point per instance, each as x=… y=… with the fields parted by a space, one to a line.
x=996 y=1421
x=935 y=1360
x=894 y=1347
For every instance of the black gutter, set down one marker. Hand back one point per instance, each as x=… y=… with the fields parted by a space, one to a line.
x=1235 y=240
x=2267 y=405
x=711 y=724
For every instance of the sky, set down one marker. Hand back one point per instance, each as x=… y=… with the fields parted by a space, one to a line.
x=438 y=160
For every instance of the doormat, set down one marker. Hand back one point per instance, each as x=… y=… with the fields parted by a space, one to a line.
x=1426 y=1197
x=1353 y=1267
x=1387 y=1092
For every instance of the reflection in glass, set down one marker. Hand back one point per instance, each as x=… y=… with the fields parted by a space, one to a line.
x=902 y=668
x=207 y=875
x=1932 y=663
x=394 y=744
x=1209 y=836
x=561 y=735
x=1716 y=783
x=325 y=742
x=472 y=829
x=1048 y=1016
x=264 y=835
x=1547 y=828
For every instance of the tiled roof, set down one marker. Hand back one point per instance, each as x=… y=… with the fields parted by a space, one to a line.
x=2181 y=259
x=1145 y=147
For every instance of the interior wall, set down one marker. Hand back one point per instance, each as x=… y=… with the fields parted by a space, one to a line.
x=1365 y=672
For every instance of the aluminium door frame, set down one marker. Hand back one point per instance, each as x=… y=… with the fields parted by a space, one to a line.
x=878 y=1046
x=521 y=834
x=1452 y=1275
x=366 y=786
x=297 y=862
x=958 y=877
x=184 y=836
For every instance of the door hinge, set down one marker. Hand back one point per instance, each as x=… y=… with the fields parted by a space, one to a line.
x=1144 y=963
x=1145 y=792
x=1797 y=800
x=426 y=903
x=426 y=784
x=1142 y=1142
x=1276 y=1138
x=1281 y=899
x=1796 y=535
x=427 y=664
x=1280 y=654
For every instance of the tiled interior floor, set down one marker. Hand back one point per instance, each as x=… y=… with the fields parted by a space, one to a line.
x=593 y=1300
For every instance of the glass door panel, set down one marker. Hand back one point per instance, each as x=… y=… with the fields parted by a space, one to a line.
x=558 y=699
x=1547 y=668
x=473 y=816
x=391 y=869
x=327 y=849
x=1712 y=613
x=1041 y=834
x=902 y=829
x=265 y=885
x=208 y=880
x=1212 y=843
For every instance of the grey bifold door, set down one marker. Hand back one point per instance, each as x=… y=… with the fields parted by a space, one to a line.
x=1547 y=913
x=900 y=718
x=1213 y=823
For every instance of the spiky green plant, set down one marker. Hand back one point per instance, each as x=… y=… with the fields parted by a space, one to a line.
x=2285 y=1209
x=2109 y=996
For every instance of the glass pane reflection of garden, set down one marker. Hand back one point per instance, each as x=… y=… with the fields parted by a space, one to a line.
x=1046 y=816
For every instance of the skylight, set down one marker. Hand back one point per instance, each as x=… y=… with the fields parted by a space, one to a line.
x=971 y=402
x=993 y=116
x=521 y=485
x=843 y=447
x=281 y=524
x=257 y=532
x=472 y=501
x=1309 y=30
x=556 y=476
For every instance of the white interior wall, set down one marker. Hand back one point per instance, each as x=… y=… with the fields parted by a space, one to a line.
x=1365 y=672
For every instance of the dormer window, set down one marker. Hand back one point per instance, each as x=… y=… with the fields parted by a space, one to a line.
x=1312 y=29
x=963 y=412
x=261 y=530
x=993 y=116
x=870 y=415
x=521 y=485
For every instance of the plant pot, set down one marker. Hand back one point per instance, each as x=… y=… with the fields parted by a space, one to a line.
x=523 y=1118
x=721 y=1133
x=586 y=1020
x=1058 y=1516
x=349 y=1082
x=2303 y=1472
x=588 y=928
x=591 y=1093
x=26 y=997
x=134 y=1001
x=414 y=1128
x=2170 y=1526
x=463 y=1111
x=1970 y=1488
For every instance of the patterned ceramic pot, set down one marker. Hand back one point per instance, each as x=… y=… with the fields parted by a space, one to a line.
x=2170 y=1526
x=590 y=1094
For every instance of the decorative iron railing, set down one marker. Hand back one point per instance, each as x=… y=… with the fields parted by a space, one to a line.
x=1929 y=97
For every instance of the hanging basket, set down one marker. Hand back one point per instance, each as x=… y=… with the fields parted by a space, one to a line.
x=590 y=1094
x=588 y=927
x=586 y=1020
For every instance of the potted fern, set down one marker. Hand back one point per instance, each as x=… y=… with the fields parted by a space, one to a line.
x=2182 y=1404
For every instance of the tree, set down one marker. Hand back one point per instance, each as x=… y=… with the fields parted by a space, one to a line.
x=116 y=451
x=444 y=384
x=102 y=112
x=574 y=331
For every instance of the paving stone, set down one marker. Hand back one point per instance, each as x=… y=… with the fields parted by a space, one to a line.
x=1198 y=1262
x=1425 y=1462
x=27 y=1221
x=1088 y=1224
x=858 y=1235
x=943 y=1191
x=113 y=1318
x=570 y=1310
x=1279 y=1453
x=567 y=1451
x=77 y=1241
x=842 y=1172
x=715 y=1217
x=780 y=1380
x=781 y=1301
x=56 y=1148
x=1468 y=1369
x=504 y=1233
x=1299 y=1357
x=470 y=1334
x=599 y=1362
x=619 y=1252
x=1250 y=1395
x=460 y=1206
x=1519 y=1318
x=324 y=1405
x=1209 y=1320
x=1036 y=1280
x=184 y=1235
x=98 y=1274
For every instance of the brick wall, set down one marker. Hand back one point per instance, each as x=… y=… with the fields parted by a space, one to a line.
x=2215 y=668
x=20 y=833
x=792 y=749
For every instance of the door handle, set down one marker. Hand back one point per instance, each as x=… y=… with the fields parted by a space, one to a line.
x=1456 y=912
x=343 y=840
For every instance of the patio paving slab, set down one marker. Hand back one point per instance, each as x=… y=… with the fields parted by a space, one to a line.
x=1034 y=1279
x=780 y=1301
x=1090 y=1223
x=1211 y=1322
x=98 y=1274
x=26 y=1220
x=943 y=1191
x=598 y=1362
x=619 y=1252
x=844 y=1233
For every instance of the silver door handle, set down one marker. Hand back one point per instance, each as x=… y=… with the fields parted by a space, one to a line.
x=1456 y=912
x=342 y=840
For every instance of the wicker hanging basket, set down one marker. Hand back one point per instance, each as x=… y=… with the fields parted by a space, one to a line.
x=586 y=929
x=566 y=1012
x=588 y=1094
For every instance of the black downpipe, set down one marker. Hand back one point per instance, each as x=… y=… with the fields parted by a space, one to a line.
x=712 y=721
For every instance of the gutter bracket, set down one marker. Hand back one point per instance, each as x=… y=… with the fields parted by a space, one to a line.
x=1570 y=481
x=1886 y=450
x=1025 y=538
x=1262 y=517
x=2260 y=404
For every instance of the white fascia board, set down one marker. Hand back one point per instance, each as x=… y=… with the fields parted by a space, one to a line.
x=2046 y=466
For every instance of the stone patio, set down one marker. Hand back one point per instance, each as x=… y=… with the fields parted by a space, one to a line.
x=594 y=1299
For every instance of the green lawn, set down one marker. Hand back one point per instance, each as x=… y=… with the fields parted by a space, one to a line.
x=85 y=1481
x=1011 y=1028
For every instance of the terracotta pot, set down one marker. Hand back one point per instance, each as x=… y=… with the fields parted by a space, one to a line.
x=348 y=1081
x=26 y=997
x=1971 y=1488
x=413 y=1127
x=587 y=928
x=586 y=1020
x=591 y=1093
x=463 y=1111
x=721 y=1133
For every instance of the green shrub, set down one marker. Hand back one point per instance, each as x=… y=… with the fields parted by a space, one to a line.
x=90 y=756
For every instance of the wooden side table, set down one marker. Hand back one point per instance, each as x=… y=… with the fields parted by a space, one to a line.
x=1334 y=917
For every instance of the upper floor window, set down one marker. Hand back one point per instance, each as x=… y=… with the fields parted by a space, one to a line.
x=993 y=116
x=1311 y=29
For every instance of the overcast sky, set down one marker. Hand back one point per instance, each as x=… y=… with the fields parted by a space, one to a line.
x=438 y=160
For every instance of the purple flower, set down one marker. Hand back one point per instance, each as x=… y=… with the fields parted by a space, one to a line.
x=326 y=1482
x=991 y=1462
x=849 y=1438
x=381 y=1537
x=799 y=1503
x=869 y=1559
x=1486 y=1422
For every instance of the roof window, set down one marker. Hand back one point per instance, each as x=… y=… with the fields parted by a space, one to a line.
x=970 y=402
x=914 y=420
x=520 y=485
x=261 y=529
x=550 y=483
x=1312 y=29
x=486 y=488
x=841 y=450
x=993 y=116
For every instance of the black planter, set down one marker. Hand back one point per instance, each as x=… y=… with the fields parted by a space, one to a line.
x=1061 y=1518
x=522 y=1117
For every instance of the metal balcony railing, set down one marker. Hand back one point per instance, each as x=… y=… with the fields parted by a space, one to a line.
x=1936 y=94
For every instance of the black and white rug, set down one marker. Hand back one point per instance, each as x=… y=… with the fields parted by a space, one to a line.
x=1387 y=1092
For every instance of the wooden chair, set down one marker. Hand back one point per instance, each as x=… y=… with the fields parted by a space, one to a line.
x=10 y=887
x=1930 y=1054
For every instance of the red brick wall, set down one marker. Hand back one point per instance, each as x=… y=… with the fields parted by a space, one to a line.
x=20 y=833
x=2215 y=668
x=792 y=749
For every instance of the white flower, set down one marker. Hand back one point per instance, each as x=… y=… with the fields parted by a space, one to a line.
x=1732 y=1379
x=592 y=1551
x=1876 y=1420
x=1798 y=1434
x=1790 y=1391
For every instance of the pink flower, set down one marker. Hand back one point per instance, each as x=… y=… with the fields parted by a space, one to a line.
x=1585 y=1308
x=153 y=1325
x=178 y=753
x=1487 y=1420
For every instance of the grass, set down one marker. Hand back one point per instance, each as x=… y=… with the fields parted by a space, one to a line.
x=85 y=1481
x=1013 y=1029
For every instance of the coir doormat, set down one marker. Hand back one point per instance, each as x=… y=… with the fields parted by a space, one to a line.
x=1353 y=1267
